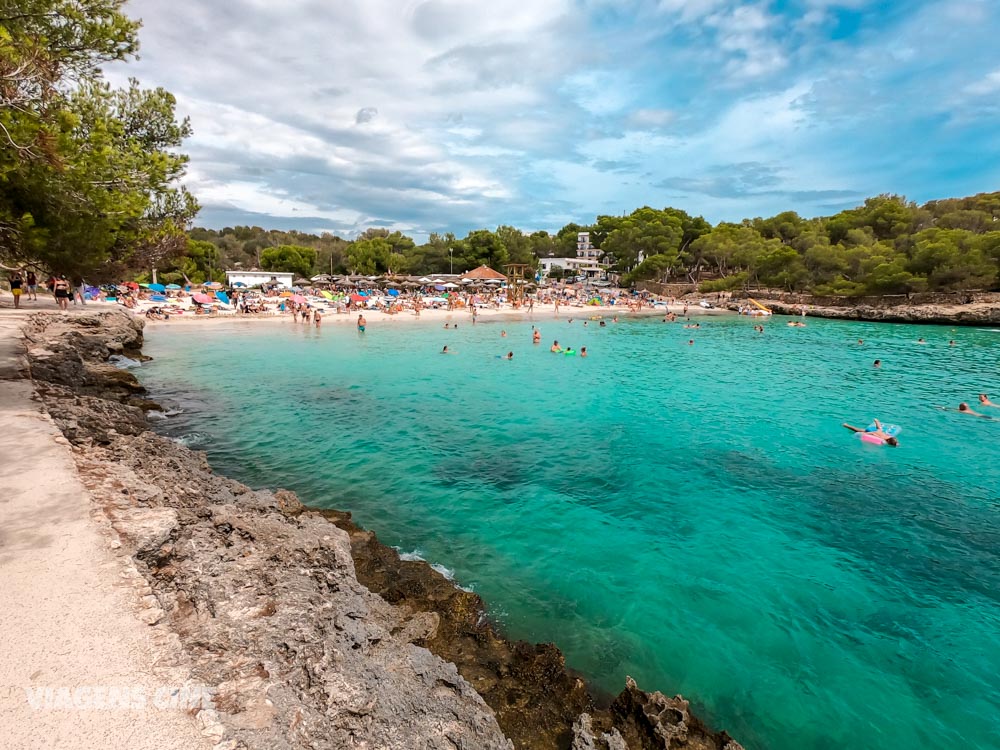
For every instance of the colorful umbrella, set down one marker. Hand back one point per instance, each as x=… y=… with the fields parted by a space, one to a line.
x=357 y=298
x=201 y=299
x=173 y=286
x=156 y=287
x=298 y=299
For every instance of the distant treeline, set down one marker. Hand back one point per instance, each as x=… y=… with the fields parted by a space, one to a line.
x=887 y=246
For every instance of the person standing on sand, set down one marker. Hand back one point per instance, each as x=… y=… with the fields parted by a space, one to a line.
x=362 y=323
x=32 y=286
x=16 y=287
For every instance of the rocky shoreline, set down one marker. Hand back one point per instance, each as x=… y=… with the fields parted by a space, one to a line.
x=981 y=309
x=310 y=632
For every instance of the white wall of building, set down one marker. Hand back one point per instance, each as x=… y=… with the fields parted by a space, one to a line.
x=256 y=278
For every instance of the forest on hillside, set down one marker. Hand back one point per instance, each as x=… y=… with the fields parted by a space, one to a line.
x=888 y=245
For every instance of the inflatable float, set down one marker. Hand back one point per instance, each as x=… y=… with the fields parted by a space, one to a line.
x=889 y=429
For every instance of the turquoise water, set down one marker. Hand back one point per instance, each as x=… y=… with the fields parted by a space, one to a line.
x=693 y=516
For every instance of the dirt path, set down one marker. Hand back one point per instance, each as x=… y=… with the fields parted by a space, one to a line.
x=69 y=617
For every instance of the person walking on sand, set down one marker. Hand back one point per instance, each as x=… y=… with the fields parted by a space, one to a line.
x=362 y=323
x=62 y=292
x=32 y=286
x=79 y=290
x=16 y=287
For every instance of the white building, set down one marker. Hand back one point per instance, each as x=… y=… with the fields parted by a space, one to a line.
x=584 y=249
x=571 y=267
x=256 y=278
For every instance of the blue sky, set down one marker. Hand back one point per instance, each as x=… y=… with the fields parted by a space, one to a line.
x=450 y=115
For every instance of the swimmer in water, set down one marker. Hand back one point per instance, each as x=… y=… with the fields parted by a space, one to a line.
x=877 y=432
x=536 y=337
x=447 y=325
x=951 y=343
x=503 y=334
x=690 y=342
x=984 y=400
x=362 y=323
x=555 y=348
x=877 y=364
x=921 y=341
x=583 y=351
x=510 y=355
x=445 y=350
x=963 y=408
x=860 y=342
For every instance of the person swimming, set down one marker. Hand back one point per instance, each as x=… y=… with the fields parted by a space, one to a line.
x=510 y=355
x=503 y=334
x=555 y=348
x=583 y=350
x=921 y=341
x=445 y=350
x=877 y=432
x=984 y=400
x=877 y=364
x=536 y=337
x=963 y=408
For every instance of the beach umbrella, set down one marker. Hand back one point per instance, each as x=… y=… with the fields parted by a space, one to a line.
x=328 y=295
x=439 y=287
x=156 y=287
x=449 y=285
x=298 y=299
x=201 y=299
x=302 y=282
x=239 y=284
x=130 y=285
x=158 y=298
x=393 y=292
x=357 y=298
x=173 y=286
x=213 y=285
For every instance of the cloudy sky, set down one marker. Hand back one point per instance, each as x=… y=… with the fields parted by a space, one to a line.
x=451 y=115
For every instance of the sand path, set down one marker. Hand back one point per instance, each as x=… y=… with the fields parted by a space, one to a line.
x=68 y=618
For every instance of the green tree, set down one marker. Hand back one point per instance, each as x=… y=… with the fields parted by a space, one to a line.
x=88 y=175
x=480 y=247
x=294 y=258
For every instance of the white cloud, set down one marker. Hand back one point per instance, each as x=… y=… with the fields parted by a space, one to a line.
x=985 y=86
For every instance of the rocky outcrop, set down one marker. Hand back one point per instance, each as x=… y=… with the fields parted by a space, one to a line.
x=311 y=633
x=976 y=313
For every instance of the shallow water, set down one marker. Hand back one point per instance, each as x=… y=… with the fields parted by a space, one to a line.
x=693 y=516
